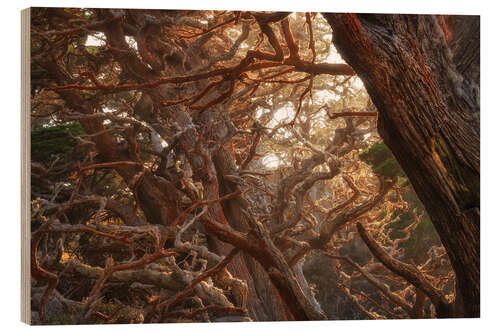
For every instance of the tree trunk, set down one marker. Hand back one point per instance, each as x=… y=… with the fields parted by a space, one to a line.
x=264 y=301
x=422 y=73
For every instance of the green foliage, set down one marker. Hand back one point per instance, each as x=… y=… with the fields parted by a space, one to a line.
x=422 y=237
x=389 y=168
x=54 y=140
x=404 y=182
x=92 y=49
x=71 y=49
x=375 y=154
x=380 y=158
x=383 y=162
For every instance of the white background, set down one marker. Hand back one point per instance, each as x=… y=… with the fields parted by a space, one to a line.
x=10 y=183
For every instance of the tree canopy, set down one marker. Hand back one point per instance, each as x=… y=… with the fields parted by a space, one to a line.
x=218 y=166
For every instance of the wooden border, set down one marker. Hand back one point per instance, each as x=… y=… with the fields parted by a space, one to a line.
x=25 y=167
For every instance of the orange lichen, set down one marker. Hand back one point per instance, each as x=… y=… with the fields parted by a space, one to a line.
x=353 y=24
x=431 y=86
x=444 y=26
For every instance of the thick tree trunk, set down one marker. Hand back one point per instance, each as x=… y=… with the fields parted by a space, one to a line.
x=264 y=301
x=422 y=73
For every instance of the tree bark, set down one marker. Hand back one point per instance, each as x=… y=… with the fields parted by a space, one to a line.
x=264 y=301
x=422 y=73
